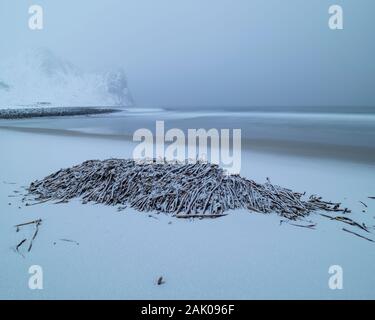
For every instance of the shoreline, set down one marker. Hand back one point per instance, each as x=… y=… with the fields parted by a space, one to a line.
x=269 y=146
x=39 y=112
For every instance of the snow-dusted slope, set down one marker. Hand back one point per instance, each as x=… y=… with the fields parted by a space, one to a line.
x=38 y=76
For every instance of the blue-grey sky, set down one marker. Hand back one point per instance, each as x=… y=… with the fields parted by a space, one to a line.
x=210 y=52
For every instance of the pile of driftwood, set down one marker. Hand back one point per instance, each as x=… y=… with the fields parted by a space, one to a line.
x=184 y=190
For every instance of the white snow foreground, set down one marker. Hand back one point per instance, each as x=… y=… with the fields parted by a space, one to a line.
x=38 y=76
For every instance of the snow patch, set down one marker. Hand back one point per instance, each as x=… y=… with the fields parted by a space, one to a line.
x=38 y=76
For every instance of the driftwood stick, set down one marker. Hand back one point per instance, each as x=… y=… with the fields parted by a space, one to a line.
x=358 y=235
x=27 y=223
x=69 y=240
x=34 y=236
x=187 y=216
x=20 y=244
x=347 y=221
x=309 y=226
x=363 y=203
x=33 y=204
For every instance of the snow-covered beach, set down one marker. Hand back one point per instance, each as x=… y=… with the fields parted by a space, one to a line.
x=120 y=255
x=187 y=150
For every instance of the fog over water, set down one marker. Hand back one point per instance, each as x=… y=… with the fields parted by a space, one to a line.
x=210 y=53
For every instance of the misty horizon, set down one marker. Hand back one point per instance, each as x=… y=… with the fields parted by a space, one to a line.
x=216 y=53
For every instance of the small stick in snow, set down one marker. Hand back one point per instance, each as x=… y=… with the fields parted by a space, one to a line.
x=5 y=182
x=347 y=221
x=37 y=224
x=363 y=203
x=309 y=226
x=68 y=240
x=160 y=281
x=33 y=204
x=201 y=216
x=358 y=235
x=26 y=223
x=20 y=244
x=34 y=236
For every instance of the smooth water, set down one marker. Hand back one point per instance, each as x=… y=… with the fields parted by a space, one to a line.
x=341 y=132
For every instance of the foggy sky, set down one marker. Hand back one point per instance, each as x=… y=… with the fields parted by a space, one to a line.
x=210 y=52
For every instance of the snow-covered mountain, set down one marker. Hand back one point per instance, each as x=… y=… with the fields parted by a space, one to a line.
x=40 y=77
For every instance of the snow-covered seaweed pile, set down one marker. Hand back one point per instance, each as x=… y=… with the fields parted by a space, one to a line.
x=22 y=113
x=184 y=190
